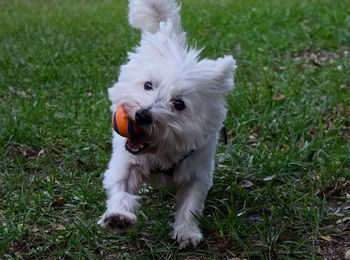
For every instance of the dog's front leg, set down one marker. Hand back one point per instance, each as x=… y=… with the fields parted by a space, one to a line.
x=121 y=207
x=190 y=204
x=122 y=181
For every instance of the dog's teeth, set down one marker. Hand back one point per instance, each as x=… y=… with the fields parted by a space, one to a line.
x=135 y=147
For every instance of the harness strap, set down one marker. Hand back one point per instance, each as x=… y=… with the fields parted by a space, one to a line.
x=170 y=171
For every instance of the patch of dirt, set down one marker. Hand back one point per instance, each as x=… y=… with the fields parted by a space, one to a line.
x=340 y=188
x=16 y=150
x=337 y=243
x=223 y=247
x=337 y=118
x=319 y=58
x=334 y=249
x=18 y=247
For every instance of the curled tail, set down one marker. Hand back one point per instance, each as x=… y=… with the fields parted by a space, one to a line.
x=147 y=14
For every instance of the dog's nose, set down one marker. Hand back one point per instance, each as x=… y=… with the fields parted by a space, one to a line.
x=143 y=117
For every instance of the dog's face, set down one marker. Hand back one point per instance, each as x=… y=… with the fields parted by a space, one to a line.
x=177 y=99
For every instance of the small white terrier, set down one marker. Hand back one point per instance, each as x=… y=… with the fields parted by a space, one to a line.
x=179 y=102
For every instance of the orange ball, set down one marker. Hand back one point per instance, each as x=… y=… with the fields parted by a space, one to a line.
x=123 y=125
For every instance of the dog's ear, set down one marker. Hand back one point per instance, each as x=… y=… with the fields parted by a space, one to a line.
x=217 y=75
x=146 y=15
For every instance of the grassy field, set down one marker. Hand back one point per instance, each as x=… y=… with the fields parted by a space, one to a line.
x=282 y=185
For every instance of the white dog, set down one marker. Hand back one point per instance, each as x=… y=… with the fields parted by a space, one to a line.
x=179 y=102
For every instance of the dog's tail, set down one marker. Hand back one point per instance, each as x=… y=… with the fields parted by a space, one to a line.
x=147 y=14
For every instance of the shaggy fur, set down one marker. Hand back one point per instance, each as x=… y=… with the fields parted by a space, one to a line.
x=180 y=109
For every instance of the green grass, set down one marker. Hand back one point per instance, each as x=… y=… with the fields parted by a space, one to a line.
x=57 y=59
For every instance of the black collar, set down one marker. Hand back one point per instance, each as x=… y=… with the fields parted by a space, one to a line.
x=170 y=171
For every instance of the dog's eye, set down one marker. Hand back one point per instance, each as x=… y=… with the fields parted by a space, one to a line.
x=178 y=104
x=148 y=86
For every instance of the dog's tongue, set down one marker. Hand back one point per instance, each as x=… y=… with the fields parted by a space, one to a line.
x=135 y=145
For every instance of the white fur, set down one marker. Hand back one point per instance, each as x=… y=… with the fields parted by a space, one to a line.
x=175 y=71
x=146 y=15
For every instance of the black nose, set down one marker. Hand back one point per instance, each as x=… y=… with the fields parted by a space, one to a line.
x=143 y=117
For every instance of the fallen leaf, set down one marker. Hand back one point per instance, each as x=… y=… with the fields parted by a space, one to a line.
x=269 y=178
x=326 y=238
x=340 y=221
x=252 y=137
x=315 y=60
x=58 y=226
x=246 y=184
x=35 y=229
x=41 y=152
x=58 y=203
x=278 y=97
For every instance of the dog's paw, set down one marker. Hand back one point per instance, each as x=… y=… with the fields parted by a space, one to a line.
x=187 y=237
x=117 y=222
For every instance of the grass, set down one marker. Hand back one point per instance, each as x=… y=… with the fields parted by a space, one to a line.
x=282 y=182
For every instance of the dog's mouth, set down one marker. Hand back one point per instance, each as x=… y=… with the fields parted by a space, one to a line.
x=136 y=145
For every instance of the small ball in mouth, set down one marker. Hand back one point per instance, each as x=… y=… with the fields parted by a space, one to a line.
x=123 y=125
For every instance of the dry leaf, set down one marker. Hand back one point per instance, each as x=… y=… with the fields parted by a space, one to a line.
x=41 y=152
x=269 y=178
x=278 y=97
x=35 y=229
x=58 y=203
x=246 y=184
x=58 y=226
x=340 y=221
x=326 y=238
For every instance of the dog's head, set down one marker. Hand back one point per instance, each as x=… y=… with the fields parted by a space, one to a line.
x=176 y=98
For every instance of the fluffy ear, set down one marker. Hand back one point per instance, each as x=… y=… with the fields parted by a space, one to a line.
x=217 y=74
x=147 y=14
